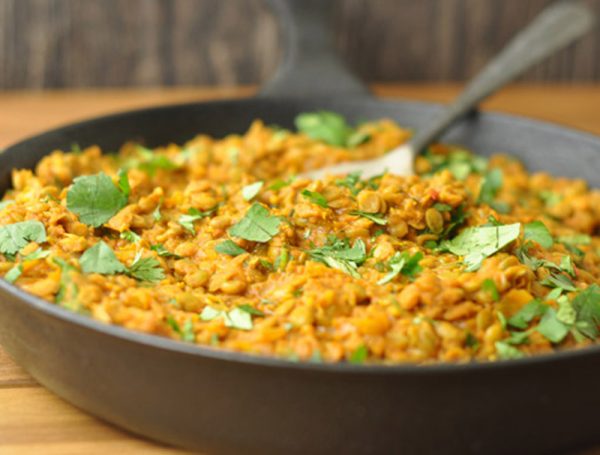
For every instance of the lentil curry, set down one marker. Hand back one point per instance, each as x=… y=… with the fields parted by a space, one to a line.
x=216 y=243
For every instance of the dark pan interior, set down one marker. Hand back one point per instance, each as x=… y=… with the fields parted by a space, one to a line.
x=177 y=393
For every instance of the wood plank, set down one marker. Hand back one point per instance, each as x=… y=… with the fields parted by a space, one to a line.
x=70 y=43
x=35 y=421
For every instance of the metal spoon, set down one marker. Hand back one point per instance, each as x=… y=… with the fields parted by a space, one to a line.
x=557 y=26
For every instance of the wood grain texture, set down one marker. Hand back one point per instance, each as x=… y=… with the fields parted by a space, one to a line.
x=32 y=420
x=75 y=43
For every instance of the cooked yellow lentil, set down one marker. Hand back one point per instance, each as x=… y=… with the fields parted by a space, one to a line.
x=290 y=296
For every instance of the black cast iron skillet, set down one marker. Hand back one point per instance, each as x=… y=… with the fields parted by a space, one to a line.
x=225 y=402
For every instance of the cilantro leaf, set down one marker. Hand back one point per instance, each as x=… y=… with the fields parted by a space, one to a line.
x=193 y=215
x=151 y=162
x=14 y=273
x=551 y=327
x=37 y=254
x=100 y=258
x=282 y=259
x=587 y=307
x=489 y=286
x=359 y=355
x=539 y=233
x=315 y=197
x=325 y=126
x=527 y=313
x=558 y=280
x=376 y=218
x=250 y=191
x=124 y=183
x=491 y=184
x=402 y=263
x=146 y=269
x=478 y=243
x=130 y=236
x=15 y=236
x=95 y=199
x=236 y=318
x=575 y=239
x=506 y=351
x=338 y=254
x=251 y=310
x=229 y=247
x=257 y=225
x=186 y=332
x=162 y=251
x=68 y=290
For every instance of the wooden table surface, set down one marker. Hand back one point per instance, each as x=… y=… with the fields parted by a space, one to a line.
x=32 y=420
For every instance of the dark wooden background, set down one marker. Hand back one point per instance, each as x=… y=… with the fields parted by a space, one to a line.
x=82 y=43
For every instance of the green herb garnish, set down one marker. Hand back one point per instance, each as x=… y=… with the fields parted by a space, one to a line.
x=330 y=128
x=315 y=197
x=478 y=243
x=236 y=318
x=250 y=191
x=15 y=236
x=402 y=263
x=130 y=236
x=230 y=248
x=537 y=231
x=376 y=218
x=489 y=286
x=193 y=215
x=162 y=251
x=338 y=254
x=359 y=355
x=95 y=199
x=257 y=225
x=14 y=273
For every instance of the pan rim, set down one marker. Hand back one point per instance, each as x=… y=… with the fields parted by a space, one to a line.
x=199 y=351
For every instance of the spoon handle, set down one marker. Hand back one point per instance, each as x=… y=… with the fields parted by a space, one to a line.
x=556 y=27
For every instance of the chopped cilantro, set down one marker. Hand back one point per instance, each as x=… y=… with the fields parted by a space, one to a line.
x=251 y=310
x=566 y=265
x=67 y=291
x=478 y=243
x=257 y=225
x=550 y=198
x=100 y=258
x=250 y=191
x=162 y=251
x=491 y=184
x=537 y=231
x=527 y=313
x=279 y=184
x=124 y=185
x=359 y=355
x=551 y=327
x=95 y=199
x=193 y=215
x=235 y=318
x=489 y=286
x=282 y=259
x=14 y=273
x=37 y=254
x=156 y=215
x=130 y=236
x=376 y=218
x=471 y=341
x=315 y=197
x=146 y=269
x=441 y=207
x=353 y=182
x=229 y=247
x=339 y=255
x=460 y=163
x=587 y=307
x=575 y=239
x=15 y=236
x=402 y=263
x=330 y=128
x=151 y=162
x=558 y=280
x=506 y=351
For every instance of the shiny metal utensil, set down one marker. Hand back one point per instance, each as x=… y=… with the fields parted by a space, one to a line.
x=556 y=27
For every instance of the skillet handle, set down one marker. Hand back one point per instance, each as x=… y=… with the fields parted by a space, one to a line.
x=311 y=67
